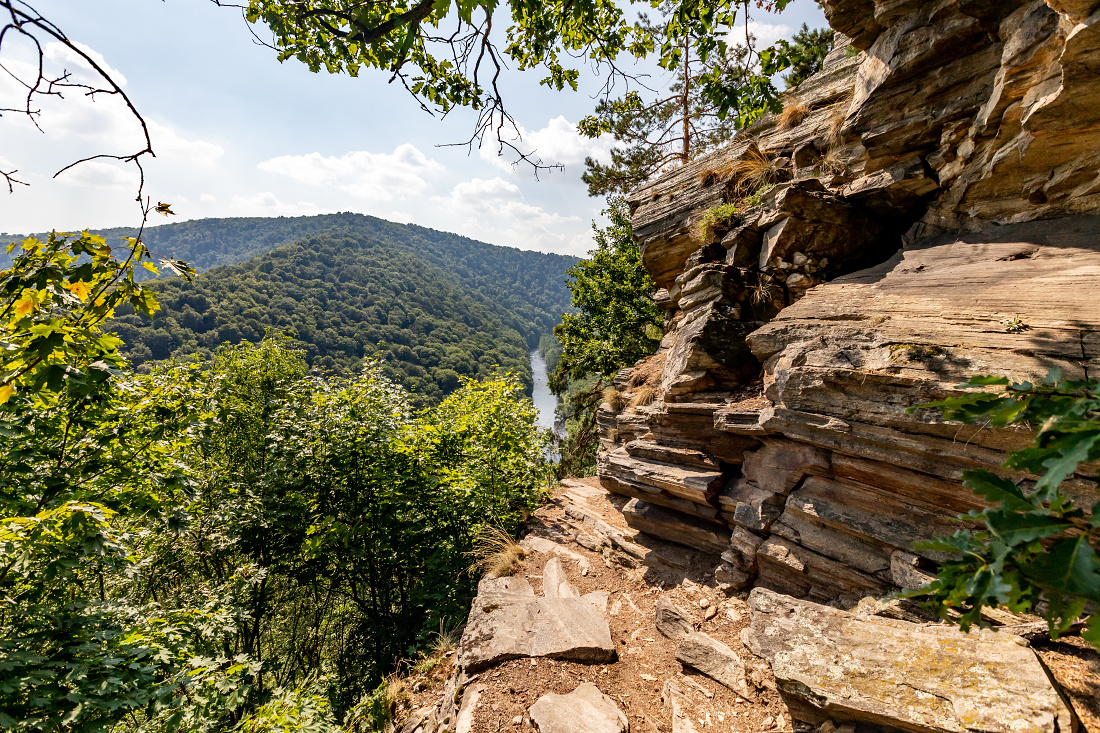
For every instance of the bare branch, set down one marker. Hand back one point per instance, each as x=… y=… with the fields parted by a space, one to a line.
x=21 y=20
x=9 y=178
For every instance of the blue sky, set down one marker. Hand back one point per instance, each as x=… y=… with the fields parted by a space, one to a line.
x=239 y=134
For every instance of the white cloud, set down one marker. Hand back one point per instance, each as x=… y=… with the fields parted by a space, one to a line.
x=494 y=210
x=101 y=174
x=373 y=176
x=767 y=33
x=208 y=198
x=557 y=143
x=79 y=69
x=96 y=124
x=268 y=204
x=167 y=143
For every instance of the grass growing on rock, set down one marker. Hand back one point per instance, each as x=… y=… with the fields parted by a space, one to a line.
x=794 y=112
x=496 y=554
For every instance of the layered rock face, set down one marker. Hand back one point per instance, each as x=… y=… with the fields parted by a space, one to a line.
x=928 y=209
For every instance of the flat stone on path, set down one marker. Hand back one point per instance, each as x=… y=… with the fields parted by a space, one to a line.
x=554 y=582
x=715 y=660
x=671 y=620
x=678 y=707
x=509 y=621
x=926 y=679
x=584 y=710
x=534 y=543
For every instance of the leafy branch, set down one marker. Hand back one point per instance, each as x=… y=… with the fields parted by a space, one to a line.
x=1038 y=550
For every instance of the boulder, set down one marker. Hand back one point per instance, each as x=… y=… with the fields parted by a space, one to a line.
x=831 y=664
x=584 y=710
x=715 y=660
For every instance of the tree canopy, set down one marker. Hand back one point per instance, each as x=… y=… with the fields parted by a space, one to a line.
x=616 y=322
x=451 y=53
x=694 y=115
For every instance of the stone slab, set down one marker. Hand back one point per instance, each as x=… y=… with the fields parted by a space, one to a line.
x=831 y=664
x=676 y=527
x=715 y=660
x=505 y=625
x=584 y=710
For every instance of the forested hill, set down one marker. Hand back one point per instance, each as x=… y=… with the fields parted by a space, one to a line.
x=530 y=285
x=432 y=306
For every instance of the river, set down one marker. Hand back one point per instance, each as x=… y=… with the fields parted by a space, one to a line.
x=544 y=399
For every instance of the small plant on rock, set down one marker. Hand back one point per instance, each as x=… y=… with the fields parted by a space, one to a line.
x=716 y=218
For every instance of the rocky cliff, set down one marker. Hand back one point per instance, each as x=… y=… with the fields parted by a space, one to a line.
x=926 y=208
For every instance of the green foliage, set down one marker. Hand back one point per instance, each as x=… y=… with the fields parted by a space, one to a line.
x=717 y=216
x=193 y=548
x=617 y=322
x=301 y=709
x=577 y=411
x=347 y=36
x=806 y=53
x=55 y=295
x=432 y=319
x=716 y=88
x=550 y=350
x=1037 y=545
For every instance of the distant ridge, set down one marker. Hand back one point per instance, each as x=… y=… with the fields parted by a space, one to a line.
x=433 y=306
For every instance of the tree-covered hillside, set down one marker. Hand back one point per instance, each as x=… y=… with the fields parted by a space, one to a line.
x=348 y=296
x=530 y=285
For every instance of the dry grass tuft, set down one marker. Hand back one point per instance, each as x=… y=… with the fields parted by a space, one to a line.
x=613 y=397
x=794 y=112
x=834 y=134
x=496 y=554
x=647 y=371
x=446 y=639
x=708 y=176
x=752 y=172
x=832 y=162
x=763 y=292
x=642 y=396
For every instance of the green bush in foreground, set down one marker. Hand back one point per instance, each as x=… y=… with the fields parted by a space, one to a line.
x=228 y=543
x=1038 y=550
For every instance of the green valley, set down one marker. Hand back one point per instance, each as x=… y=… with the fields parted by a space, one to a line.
x=432 y=307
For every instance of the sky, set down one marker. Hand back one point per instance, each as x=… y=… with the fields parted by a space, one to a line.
x=236 y=133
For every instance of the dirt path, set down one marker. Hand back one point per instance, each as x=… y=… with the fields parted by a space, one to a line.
x=645 y=658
